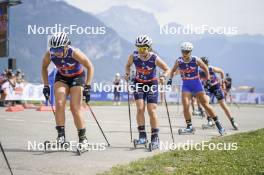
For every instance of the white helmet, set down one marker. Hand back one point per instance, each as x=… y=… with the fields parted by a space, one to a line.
x=117 y=74
x=143 y=40
x=59 y=39
x=187 y=46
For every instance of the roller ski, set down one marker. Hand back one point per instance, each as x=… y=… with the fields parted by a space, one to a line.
x=209 y=124
x=140 y=141
x=196 y=113
x=234 y=124
x=154 y=144
x=59 y=144
x=220 y=128
x=202 y=112
x=142 y=138
x=186 y=131
x=83 y=145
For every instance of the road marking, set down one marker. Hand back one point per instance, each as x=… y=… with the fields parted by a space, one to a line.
x=14 y=120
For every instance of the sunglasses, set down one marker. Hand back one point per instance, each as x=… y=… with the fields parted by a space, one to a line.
x=56 y=50
x=142 y=49
x=186 y=51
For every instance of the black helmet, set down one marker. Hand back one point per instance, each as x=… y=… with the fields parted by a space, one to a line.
x=205 y=60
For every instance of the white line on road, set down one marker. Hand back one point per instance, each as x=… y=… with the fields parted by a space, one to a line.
x=14 y=120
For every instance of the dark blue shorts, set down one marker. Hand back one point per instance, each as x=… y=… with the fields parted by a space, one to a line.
x=216 y=91
x=146 y=91
x=192 y=86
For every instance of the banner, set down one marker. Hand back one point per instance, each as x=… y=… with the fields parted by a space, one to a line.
x=25 y=91
x=28 y=91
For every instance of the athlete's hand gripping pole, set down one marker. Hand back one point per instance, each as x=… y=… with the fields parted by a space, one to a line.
x=46 y=93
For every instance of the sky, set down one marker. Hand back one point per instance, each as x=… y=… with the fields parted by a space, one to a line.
x=246 y=15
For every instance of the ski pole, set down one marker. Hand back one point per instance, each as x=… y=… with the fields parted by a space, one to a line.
x=2 y=149
x=168 y=114
x=98 y=123
x=129 y=111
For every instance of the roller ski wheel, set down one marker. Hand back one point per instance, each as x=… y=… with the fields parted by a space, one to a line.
x=137 y=142
x=220 y=129
x=56 y=145
x=186 y=131
x=234 y=124
x=82 y=148
x=202 y=114
x=208 y=125
x=153 y=146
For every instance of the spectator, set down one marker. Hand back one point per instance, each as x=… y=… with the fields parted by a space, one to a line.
x=8 y=84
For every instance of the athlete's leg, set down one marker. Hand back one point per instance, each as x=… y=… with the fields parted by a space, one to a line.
x=61 y=91
x=152 y=107
x=140 y=112
x=225 y=108
x=193 y=103
x=203 y=99
x=205 y=103
x=76 y=106
x=186 y=98
x=76 y=110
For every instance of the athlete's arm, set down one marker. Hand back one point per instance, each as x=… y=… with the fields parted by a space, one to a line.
x=222 y=74
x=85 y=61
x=220 y=71
x=44 y=68
x=160 y=63
x=173 y=70
x=128 y=65
x=201 y=64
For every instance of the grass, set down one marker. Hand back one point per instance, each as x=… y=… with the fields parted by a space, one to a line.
x=247 y=159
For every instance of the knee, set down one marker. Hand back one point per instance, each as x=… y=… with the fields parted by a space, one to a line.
x=140 y=110
x=152 y=111
x=60 y=105
x=75 y=109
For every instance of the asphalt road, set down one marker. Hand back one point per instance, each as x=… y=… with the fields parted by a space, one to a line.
x=17 y=129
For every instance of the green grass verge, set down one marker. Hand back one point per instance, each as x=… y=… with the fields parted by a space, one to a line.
x=247 y=159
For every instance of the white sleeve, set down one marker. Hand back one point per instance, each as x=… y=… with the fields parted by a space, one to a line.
x=5 y=85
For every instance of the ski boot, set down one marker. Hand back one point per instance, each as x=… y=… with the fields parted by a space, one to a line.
x=60 y=143
x=142 y=137
x=234 y=124
x=188 y=130
x=83 y=144
x=209 y=124
x=154 y=140
x=220 y=128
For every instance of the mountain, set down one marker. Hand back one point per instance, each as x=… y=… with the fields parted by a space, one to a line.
x=107 y=50
x=239 y=55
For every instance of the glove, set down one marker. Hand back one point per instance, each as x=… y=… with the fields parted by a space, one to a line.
x=46 y=92
x=86 y=93
x=169 y=82
x=208 y=84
